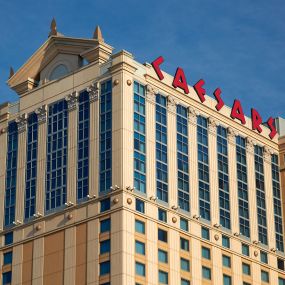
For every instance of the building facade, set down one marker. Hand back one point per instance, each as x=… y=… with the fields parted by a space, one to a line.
x=109 y=175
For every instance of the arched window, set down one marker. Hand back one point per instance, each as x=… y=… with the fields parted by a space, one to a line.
x=59 y=71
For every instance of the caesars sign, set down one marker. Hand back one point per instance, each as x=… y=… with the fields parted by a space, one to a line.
x=180 y=81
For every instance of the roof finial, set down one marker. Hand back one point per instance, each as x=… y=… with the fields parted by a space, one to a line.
x=98 y=34
x=53 y=30
x=11 y=72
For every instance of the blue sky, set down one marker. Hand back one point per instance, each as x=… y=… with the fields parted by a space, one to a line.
x=238 y=45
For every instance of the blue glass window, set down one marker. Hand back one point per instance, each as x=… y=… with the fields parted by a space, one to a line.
x=139 y=138
x=226 y=241
x=106 y=136
x=11 y=174
x=281 y=281
x=263 y=257
x=182 y=157
x=162 y=256
x=31 y=166
x=105 y=205
x=246 y=269
x=162 y=215
x=162 y=277
x=205 y=233
x=83 y=145
x=140 y=227
x=184 y=224
x=56 y=174
x=105 y=225
x=245 y=249
x=140 y=247
x=161 y=148
x=244 y=224
x=140 y=269
x=185 y=282
x=184 y=244
x=8 y=258
x=7 y=278
x=226 y=261
x=223 y=177
x=8 y=238
x=260 y=195
x=105 y=246
x=162 y=235
x=206 y=253
x=264 y=276
x=277 y=203
x=227 y=280
x=140 y=205
x=206 y=273
x=184 y=264
x=203 y=168
x=105 y=268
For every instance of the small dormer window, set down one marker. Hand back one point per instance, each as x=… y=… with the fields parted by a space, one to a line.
x=59 y=71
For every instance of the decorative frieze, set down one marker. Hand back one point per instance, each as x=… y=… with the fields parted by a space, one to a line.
x=150 y=93
x=22 y=123
x=93 y=91
x=42 y=114
x=72 y=100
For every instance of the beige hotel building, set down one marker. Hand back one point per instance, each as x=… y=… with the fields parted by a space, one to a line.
x=109 y=175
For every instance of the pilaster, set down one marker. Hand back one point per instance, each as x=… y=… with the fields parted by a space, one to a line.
x=38 y=261
x=70 y=256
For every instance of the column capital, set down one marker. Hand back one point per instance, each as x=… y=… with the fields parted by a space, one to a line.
x=22 y=123
x=171 y=103
x=212 y=125
x=93 y=91
x=150 y=93
x=72 y=100
x=267 y=152
x=192 y=115
x=232 y=133
x=42 y=114
x=250 y=145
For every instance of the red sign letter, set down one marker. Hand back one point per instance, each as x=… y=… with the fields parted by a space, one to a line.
x=180 y=80
x=217 y=94
x=155 y=64
x=237 y=112
x=201 y=92
x=272 y=127
x=256 y=120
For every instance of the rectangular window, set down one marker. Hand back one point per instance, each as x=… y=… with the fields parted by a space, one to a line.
x=205 y=233
x=277 y=203
x=140 y=247
x=83 y=145
x=162 y=235
x=245 y=249
x=281 y=281
x=280 y=264
x=162 y=215
x=105 y=268
x=203 y=168
x=185 y=282
x=8 y=238
x=264 y=276
x=105 y=246
x=8 y=258
x=263 y=257
x=184 y=225
x=182 y=157
x=140 y=227
x=184 y=244
x=206 y=253
x=226 y=241
x=106 y=136
x=162 y=256
x=223 y=177
x=56 y=169
x=139 y=138
x=31 y=165
x=140 y=269
x=105 y=226
x=105 y=205
x=184 y=264
x=246 y=269
x=7 y=278
x=162 y=277
x=161 y=148
x=140 y=206
x=260 y=195
x=11 y=174
x=226 y=261
x=242 y=186
x=206 y=273
x=227 y=280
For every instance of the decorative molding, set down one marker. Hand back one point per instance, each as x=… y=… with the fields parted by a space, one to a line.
x=93 y=91
x=3 y=131
x=192 y=115
x=250 y=145
x=267 y=152
x=212 y=125
x=22 y=123
x=231 y=135
x=42 y=114
x=72 y=100
x=171 y=103
x=150 y=93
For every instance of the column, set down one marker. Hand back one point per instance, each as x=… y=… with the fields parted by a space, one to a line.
x=41 y=158
x=172 y=152
x=233 y=180
x=70 y=256
x=17 y=264
x=193 y=161
x=21 y=166
x=94 y=139
x=72 y=100
x=38 y=261
x=150 y=142
x=213 y=170
x=251 y=189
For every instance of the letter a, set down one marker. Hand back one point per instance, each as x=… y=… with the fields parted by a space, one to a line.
x=180 y=80
x=237 y=112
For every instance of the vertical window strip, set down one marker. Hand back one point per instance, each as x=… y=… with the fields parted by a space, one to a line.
x=223 y=177
x=242 y=186
x=203 y=168
x=106 y=136
x=277 y=203
x=11 y=174
x=57 y=140
x=83 y=145
x=31 y=165
x=182 y=157
x=139 y=138
x=260 y=195
x=161 y=148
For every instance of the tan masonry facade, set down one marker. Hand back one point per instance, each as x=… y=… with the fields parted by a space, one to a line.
x=122 y=235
